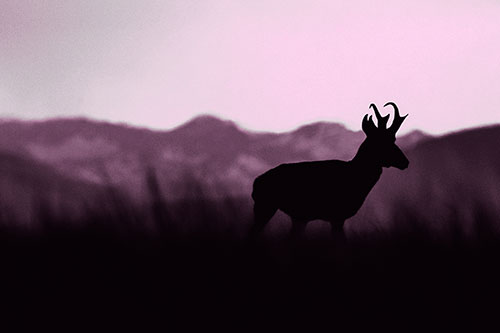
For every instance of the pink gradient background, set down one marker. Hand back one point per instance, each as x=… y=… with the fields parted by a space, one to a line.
x=268 y=65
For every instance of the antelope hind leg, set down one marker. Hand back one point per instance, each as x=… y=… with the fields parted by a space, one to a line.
x=262 y=214
x=298 y=229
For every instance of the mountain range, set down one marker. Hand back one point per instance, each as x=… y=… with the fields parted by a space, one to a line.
x=77 y=160
x=215 y=153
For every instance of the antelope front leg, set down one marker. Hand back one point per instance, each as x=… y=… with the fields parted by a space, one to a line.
x=337 y=230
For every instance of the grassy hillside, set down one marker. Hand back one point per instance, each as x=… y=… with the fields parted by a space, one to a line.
x=421 y=255
x=185 y=265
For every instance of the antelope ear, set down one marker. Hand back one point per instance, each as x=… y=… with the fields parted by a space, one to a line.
x=368 y=125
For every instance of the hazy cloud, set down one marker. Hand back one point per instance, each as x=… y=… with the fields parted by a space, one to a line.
x=266 y=64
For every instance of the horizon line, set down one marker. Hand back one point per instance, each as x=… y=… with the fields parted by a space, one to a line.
x=15 y=118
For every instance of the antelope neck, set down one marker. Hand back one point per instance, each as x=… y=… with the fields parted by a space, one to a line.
x=367 y=161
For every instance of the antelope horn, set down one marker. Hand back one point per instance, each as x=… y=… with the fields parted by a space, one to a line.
x=398 y=120
x=382 y=121
x=368 y=126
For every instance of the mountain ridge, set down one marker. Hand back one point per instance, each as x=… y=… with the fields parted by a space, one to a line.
x=212 y=150
x=208 y=148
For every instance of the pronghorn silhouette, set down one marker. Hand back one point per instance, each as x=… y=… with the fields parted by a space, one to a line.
x=330 y=190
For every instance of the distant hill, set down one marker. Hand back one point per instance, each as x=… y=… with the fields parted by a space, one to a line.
x=216 y=153
x=455 y=177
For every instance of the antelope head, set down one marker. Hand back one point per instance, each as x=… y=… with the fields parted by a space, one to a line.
x=380 y=141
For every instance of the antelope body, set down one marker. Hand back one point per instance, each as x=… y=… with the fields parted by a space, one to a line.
x=329 y=190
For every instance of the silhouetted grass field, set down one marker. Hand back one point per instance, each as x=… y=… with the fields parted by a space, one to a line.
x=186 y=264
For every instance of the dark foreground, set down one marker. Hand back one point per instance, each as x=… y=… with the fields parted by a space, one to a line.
x=187 y=266
x=87 y=277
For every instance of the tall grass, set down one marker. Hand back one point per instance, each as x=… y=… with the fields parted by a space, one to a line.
x=186 y=263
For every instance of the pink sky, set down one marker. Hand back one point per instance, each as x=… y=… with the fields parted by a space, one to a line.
x=268 y=65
